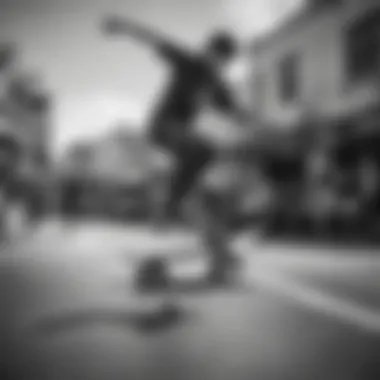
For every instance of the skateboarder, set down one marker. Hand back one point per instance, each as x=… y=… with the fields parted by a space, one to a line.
x=196 y=79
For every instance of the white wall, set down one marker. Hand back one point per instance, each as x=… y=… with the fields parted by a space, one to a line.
x=320 y=41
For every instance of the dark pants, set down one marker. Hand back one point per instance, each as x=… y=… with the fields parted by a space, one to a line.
x=192 y=156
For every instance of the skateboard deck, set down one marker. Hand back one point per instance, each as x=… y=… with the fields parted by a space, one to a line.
x=160 y=275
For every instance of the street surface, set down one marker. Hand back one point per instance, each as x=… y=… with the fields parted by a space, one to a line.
x=306 y=312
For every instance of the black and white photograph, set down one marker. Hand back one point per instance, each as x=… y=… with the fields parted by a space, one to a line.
x=189 y=189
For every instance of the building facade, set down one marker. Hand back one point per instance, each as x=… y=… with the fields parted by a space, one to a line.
x=122 y=157
x=112 y=174
x=321 y=69
x=324 y=61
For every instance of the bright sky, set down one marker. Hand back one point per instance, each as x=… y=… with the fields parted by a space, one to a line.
x=96 y=81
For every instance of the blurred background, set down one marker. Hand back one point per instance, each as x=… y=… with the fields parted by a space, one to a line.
x=308 y=171
x=310 y=78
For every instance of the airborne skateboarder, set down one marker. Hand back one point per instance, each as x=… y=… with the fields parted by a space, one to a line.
x=196 y=78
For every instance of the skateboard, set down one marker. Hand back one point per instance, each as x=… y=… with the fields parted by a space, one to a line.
x=155 y=275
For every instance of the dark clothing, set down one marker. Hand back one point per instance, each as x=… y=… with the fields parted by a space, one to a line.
x=283 y=169
x=5 y=175
x=10 y=151
x=194 y=159
x=13 y=188
x=193 y=82
x=8 y=182
x=348 y=154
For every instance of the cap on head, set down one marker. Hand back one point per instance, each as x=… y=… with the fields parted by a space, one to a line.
x=223 y=44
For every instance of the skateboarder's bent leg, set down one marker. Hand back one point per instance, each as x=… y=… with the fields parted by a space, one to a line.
x=193 y=157
x=196 y=158
x=214 y=209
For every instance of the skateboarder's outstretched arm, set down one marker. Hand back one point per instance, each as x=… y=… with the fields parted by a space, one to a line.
x=119 y=26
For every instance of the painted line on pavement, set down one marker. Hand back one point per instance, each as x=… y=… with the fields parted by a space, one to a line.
x=321 y=302
x=306 y=296
x=307 y=259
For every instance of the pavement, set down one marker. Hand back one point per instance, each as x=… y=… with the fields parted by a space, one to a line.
x=71 y=312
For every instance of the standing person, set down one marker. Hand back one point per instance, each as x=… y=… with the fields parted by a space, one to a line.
x=9 y=158
x=196 y=79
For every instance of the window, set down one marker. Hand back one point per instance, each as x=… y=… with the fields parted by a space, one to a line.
x=363 y=46
x=6 y=57
x=289 y=78
x=37 y=103
x=40 y=158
